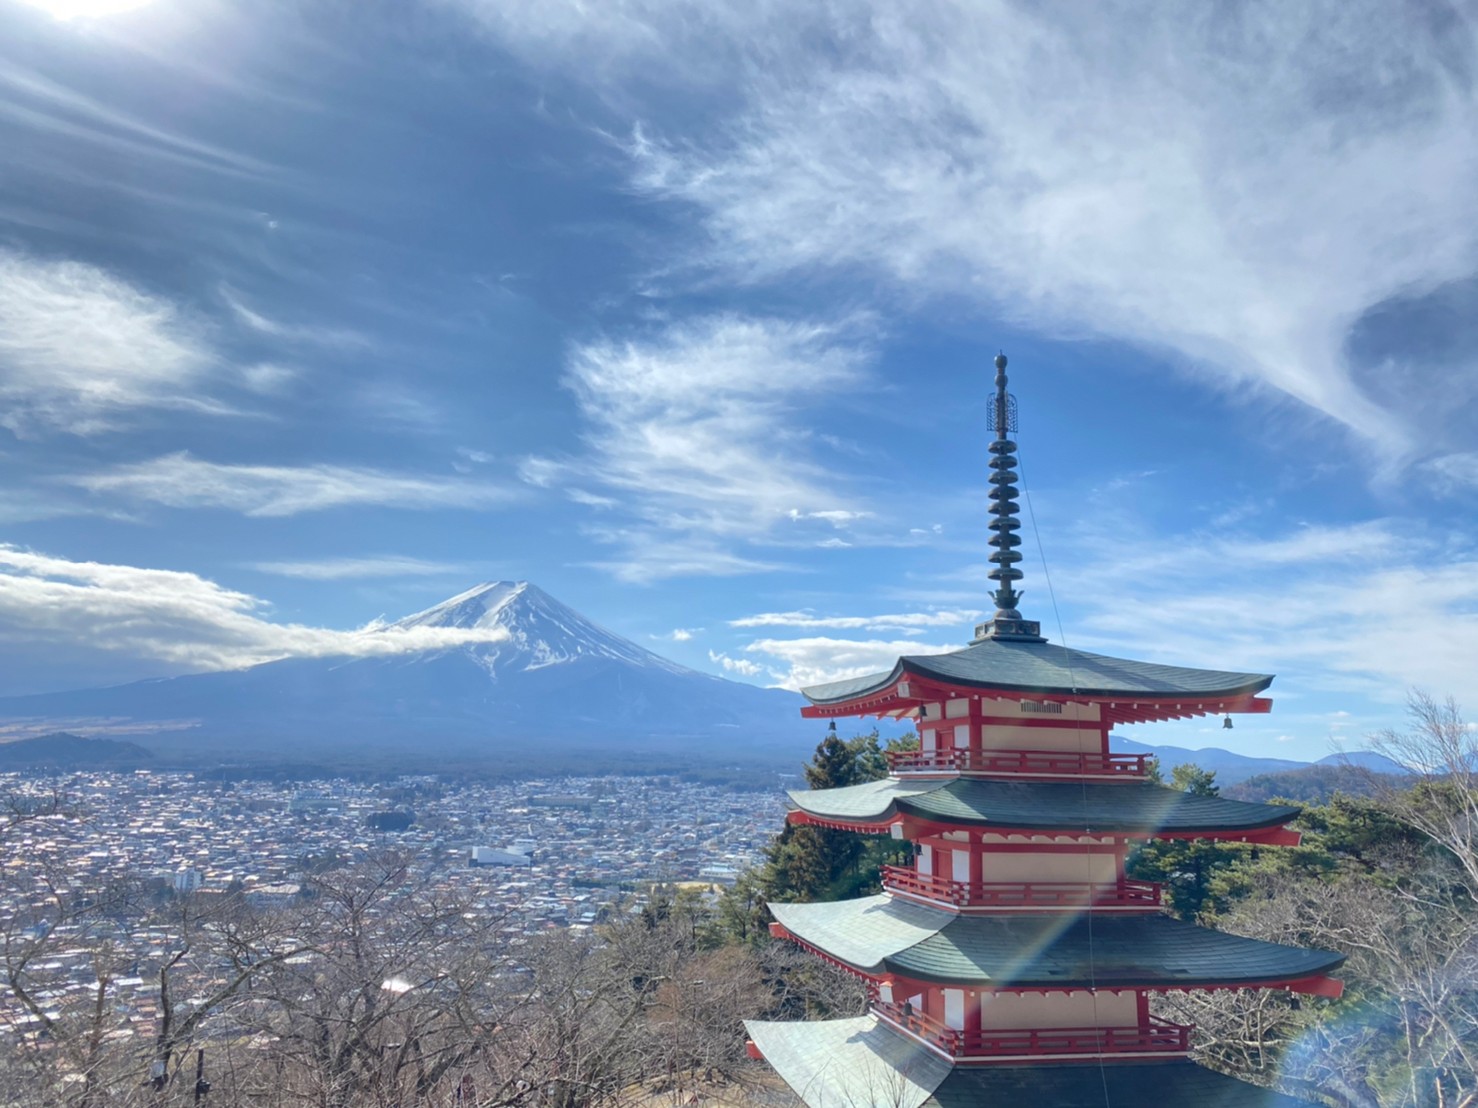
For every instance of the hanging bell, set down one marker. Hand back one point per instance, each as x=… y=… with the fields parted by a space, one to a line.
x=1226 y=724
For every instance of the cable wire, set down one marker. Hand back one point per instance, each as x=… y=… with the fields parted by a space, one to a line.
x=1082 y=781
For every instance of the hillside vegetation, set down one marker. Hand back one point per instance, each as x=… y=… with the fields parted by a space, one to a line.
x=374 y=988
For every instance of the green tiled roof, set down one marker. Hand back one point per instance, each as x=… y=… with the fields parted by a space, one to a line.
x=1128 y=807
x=1121 y=1085
x=879 y=934
x=857 y=1063
x=865 y=1064
x=1048 y=668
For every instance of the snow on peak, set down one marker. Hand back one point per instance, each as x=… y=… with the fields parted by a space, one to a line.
x=478 y=607
x=541 y=630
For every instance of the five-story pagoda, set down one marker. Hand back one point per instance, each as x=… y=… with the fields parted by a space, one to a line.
x=1014 y=956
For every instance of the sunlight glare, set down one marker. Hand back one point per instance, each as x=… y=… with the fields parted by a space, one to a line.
x=87 y=9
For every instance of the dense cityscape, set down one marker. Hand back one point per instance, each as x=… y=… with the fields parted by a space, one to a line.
x=533 y=855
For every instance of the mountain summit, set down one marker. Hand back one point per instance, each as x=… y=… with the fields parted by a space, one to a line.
x=555 y=692
x=541 y=630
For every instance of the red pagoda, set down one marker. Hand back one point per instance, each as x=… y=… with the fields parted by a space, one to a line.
x=1014 y=956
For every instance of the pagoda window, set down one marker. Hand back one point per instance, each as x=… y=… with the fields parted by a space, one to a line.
x=961 y=866
x=954 y=709
x=926 y=860
x=962 y=736
x=954 y=1009
x=1041 y=707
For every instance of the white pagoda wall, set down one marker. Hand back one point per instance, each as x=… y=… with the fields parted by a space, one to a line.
x=1010 y=1011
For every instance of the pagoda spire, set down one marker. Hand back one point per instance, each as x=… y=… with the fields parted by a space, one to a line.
x=1005 y=526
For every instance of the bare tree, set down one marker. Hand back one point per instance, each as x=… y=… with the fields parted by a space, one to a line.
x=1441 y=749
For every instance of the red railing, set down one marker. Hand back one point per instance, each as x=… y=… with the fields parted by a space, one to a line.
x=1022 y=894
x=1042 y=763
x=1156 y=1038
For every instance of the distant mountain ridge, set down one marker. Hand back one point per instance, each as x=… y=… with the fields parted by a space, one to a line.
x=554 y=687
x=61 y=750
x=1232 y=768
x=549 y=689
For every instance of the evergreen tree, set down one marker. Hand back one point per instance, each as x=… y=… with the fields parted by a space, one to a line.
x=1188 y=868
x=819 y=863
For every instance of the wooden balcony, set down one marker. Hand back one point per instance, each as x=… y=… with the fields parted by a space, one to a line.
x=1036 y=896
x=1157 y=1038
x=1030 y=763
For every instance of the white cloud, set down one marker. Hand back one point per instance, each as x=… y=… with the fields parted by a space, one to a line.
x=650 y=556
x=1455 y=472
x=180 y=619
x=1234 y=186
x=695 y=431
x=79 y=347
x=742 y=666
x=815 y=661
x=1365 y=610
x=683 y=634
x=894 y=622
x=1352 y=616
x=339 y=569
x=268 y=377
x=181 y=481
x=312 y=335
x=836 y=517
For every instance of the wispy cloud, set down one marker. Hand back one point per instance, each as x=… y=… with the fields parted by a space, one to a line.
x=43 y=105
x=1360 y=612
x=1234 y=186
x=902 y=621
x=339 y=569
x=1367 y=609
x=297 y=333
x=695 y=431
x=182 y=481
x=799 y=663
x=646 y=555
x=180 y=619
x=79 y=347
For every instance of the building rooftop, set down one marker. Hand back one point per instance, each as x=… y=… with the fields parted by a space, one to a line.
x=878 y=935
x=1136 y=807
x=865 y=1064
x=1043 y=667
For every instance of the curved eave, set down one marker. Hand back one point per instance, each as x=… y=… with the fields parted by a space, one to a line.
x=886 y=939
x=910 y=827
x=1248 y=684
x=867 y=1064
x=900 y=969
x=1028 y=808
x=1137 y=692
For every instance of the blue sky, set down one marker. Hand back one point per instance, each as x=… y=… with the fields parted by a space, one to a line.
x=316 y=313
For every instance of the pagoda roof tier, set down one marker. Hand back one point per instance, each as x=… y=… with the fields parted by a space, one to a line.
x=880 y=936
x=1137 y=808
x=866 y=1064
x=1137 y=691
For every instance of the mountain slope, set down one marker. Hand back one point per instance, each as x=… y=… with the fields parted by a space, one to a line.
x=552 y=682
x=70 y=752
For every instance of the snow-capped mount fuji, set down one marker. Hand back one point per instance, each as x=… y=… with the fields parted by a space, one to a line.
x=541 y=631
x=541 y=687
